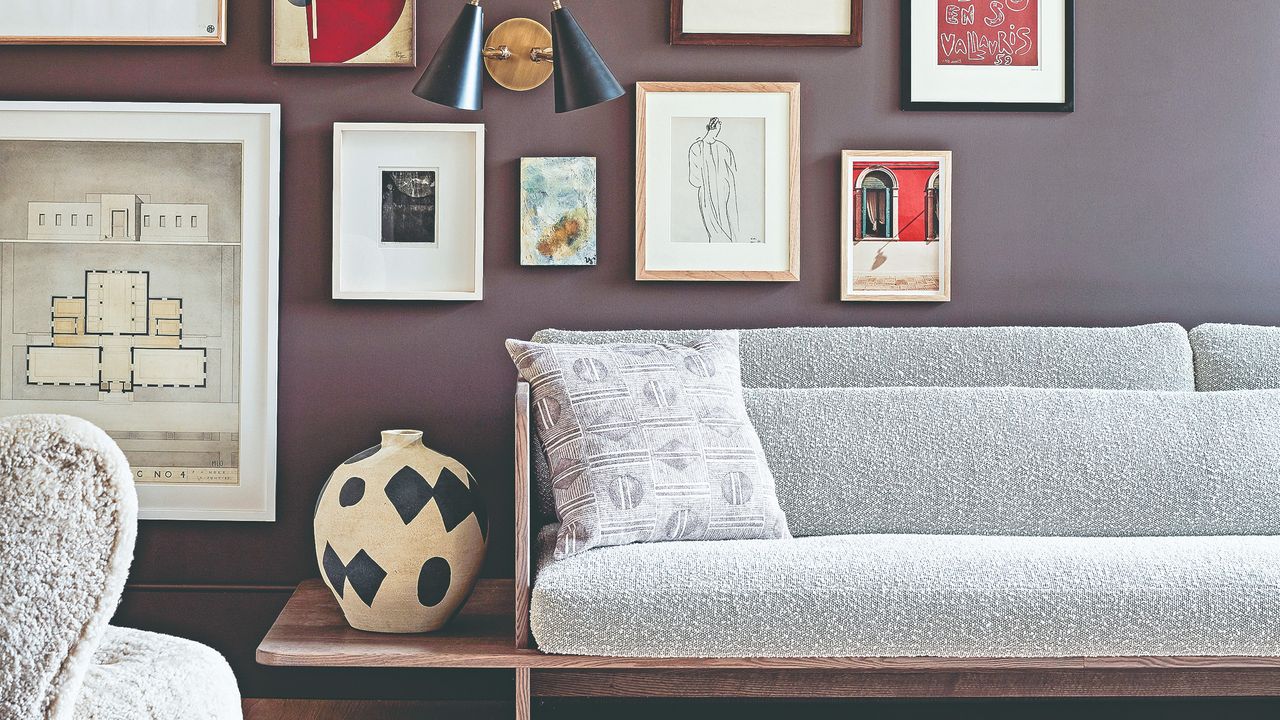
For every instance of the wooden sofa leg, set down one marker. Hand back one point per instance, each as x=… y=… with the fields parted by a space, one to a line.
x=524 y=709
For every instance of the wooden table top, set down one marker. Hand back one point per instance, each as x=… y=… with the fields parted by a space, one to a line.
x=311 y=632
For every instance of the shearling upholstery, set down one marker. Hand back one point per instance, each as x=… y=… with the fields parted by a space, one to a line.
x=1022 y=461
x=137 y=674
x=1147 y=357
x=68 y=518
x=1236 y=357
x=914 y=595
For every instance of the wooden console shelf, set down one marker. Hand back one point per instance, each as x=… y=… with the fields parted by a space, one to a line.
x=311 y=632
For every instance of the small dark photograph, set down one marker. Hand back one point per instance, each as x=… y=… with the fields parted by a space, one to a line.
x=409 y=207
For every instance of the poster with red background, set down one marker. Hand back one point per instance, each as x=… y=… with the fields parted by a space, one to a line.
x=989 y=32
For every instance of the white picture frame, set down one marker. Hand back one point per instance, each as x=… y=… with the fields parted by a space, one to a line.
x=450 y=269
x=749 y=132
x=181 y=419
x=113 y=22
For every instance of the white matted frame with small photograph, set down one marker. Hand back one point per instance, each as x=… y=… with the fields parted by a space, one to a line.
x=408 y=211
x=139 y=290
x=113 y=22
x=718 y=181
x=896 y=226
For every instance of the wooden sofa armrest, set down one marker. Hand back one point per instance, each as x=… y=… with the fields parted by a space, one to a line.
x=523 y=542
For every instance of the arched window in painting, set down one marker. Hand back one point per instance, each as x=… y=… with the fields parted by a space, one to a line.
x=878 y=209
x=933 y=208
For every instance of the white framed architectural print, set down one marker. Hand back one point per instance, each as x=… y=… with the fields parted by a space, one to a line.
x=113 y=22
x=408 y=211
x=139 y=287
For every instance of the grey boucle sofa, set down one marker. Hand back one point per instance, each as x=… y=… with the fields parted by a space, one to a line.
x=959 y=493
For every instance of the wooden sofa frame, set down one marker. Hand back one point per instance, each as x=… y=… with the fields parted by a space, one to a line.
x=579 y=676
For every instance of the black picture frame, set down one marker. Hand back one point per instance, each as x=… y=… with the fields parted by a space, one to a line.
x=1069 y=104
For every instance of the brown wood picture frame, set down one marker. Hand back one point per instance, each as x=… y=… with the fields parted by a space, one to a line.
x=680 y=37
x=792 y=272
x=217 y=36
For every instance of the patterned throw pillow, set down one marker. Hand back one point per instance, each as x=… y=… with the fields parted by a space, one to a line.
x=649 y=443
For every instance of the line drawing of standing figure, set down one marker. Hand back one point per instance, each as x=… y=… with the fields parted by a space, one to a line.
x=713 y=170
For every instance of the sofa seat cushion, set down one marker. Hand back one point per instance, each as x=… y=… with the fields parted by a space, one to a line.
x=912 y=596
x=139 y=675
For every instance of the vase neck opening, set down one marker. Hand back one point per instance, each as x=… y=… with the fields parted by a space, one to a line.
x=401 y=438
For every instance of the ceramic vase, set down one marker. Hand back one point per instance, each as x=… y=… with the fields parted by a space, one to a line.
x=400 y=536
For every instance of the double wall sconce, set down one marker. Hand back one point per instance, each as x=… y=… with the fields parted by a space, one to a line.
x=520 y=54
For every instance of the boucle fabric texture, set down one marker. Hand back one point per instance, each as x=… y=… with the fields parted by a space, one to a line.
x=649 y=442
x=138 y=675
x=68 y=520
x=1147 y=357
x=1236 y=357
x=1023 y=461
x=914 y=595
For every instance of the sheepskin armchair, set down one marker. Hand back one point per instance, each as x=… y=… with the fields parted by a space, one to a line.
x=68 y=521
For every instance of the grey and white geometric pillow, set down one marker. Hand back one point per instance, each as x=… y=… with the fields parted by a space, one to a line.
x=649 y=443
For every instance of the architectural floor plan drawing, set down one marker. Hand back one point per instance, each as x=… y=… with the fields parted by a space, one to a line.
x=120 y=297
x=116 y=337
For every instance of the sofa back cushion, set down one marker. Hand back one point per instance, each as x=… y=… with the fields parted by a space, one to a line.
x=1018 y=461
x=1236 y=357
x=1148 y=357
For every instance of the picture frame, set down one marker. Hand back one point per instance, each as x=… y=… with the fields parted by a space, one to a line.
x=1003 y=56
x=718 y=181
x=766 y=23
x=895 y=226
x=447 y=267
x=370 y=34
x=559 y=217
x=114 y=22
x=154 y=228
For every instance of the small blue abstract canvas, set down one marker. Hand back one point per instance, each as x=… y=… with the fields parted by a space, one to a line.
x=558 y=211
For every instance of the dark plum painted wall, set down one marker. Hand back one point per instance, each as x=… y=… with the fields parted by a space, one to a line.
x=1156 y=200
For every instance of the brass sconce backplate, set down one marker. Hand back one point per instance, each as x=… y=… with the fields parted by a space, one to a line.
x=519 y=70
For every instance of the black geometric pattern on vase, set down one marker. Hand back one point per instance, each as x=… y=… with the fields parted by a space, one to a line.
x=433 y=581
x=376 y=512
x=364 y=574
x=454 y=499
x=363 y=454
x=648 y=443
x=352 y=492
x=409 y=492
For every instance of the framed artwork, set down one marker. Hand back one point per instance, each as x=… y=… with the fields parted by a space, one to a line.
x=113 y=22
x=408 y=211
x=344 y=33
x=558 y=211
x=139 y=287
x=768 y=23
x=1001 y=55
x=896 y=220
x=718 y=181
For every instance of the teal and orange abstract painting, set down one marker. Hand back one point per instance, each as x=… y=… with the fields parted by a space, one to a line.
x=558 y=211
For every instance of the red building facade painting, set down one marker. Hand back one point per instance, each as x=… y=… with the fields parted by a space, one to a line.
x=897 y=200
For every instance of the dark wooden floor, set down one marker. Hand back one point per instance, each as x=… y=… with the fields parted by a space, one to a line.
x=374 y=710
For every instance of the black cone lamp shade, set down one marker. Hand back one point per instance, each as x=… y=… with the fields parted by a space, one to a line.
x=455 y=76
x=582 y=79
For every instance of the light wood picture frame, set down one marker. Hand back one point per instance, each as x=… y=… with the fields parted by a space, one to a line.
x=895 y=226
x=766 y=23
x=393 y=181
x=114 y=22
x=319 y=33
x=718 y=181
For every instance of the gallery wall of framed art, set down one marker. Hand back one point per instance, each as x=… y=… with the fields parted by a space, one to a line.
x=139 y=286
